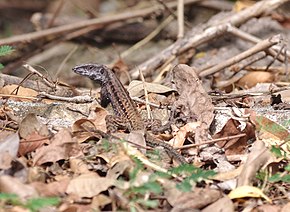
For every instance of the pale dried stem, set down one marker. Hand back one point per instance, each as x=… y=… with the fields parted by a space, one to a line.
x=97 y=22
x=204 y=33
x=180 y=18
x=261 y=46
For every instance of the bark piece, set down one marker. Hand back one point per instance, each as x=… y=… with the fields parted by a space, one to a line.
x=193 y=100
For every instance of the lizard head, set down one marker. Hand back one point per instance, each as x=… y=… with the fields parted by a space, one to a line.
x=96 y=72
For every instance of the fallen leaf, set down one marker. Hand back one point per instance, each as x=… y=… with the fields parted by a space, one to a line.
x=89 y=185
x=224 y=204
x=33 y=133
x=253 y=78
x=182 y=133
x=8 y=150
x=57 y=188
x=100 y=201
x=13 y=185
x=136 y=88
x=61 y=147
x=193 y=102
x=271 y=129
x=258 y=157
x=247 y=191
x=236 y=145
x=19 y=90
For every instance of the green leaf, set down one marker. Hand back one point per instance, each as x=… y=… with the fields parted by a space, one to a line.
x=286 y=178
x=276 y=151
x=13 y=199
x=5 y=50
x=1 y=66
x=148 y=203
x=38 y=203
x=287 y=168
x=184 y=186
x=182 y=169
x=275 y=178
x=152 y=187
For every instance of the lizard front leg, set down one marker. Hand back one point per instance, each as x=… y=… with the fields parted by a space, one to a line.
x=115 y=123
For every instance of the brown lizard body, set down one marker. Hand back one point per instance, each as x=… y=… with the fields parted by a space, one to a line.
x=125 y=111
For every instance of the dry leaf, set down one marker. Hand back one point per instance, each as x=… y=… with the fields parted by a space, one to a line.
x=100 y=201
x=52 y=189
x=236 y=145
x=186 y=201
x=8 y=150
x=253 y=78
x=13 y=185
x=193 y=101
x=61 y=147
x=259 y=156
x=247 y=191
x=224 y=204
x=33 y=133
x=89 y=185
x=21 y=91
x=78 y=166
x=136 y=88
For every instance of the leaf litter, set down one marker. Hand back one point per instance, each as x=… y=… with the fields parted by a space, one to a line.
x=238 y=157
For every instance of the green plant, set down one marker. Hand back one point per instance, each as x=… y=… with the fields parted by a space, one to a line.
x=5 y=50
x=33 y=204
x=192 y=175
x=139 y=194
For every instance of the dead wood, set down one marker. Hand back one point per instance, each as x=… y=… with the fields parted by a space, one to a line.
x=216 y=27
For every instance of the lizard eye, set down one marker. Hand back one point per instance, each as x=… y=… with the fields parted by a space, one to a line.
x=91 y=67
x=102 y=71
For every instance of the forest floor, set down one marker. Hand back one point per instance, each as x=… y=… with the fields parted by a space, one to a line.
x=215 y=72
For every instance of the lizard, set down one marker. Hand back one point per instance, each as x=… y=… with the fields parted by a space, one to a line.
x=126 y=116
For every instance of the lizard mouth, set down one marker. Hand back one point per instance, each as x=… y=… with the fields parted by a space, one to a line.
x=80 y=70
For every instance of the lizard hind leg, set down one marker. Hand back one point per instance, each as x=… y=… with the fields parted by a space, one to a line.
x=115 y=123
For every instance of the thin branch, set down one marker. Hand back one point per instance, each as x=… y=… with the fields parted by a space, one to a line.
x=263 y=45
x=180 y=16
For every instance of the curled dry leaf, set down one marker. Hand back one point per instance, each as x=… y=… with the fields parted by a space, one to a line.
x=13 y=185
x=198 y=199
x=100 y=201
x=236 y=145
x=89 y=185
x=253 y=78
x=52 y=189
x=248 y=191
x=61 y=147
x=85 y=128
x=193 y=101
x=259 y=156
x=181 y=135
x=78 y=166
x=19 y=90
x=33 y=133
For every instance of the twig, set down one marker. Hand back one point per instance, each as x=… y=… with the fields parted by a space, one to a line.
x=65 y=60
x=251 y=38
x=34 y=71
x=202 y=34
x=55 y=14
x=97 y=22
x=263 y=45
x=147 y=38
x=180 y=18
x=212 y=141
x=149 y=103
x=149 y=115
x=75 y=99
